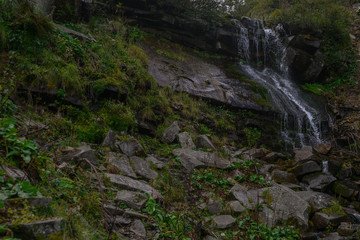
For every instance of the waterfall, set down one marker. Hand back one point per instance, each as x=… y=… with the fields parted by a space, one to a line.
x=325 y=166
x=265 y=63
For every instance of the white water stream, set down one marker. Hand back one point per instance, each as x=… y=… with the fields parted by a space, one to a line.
x=264 y=48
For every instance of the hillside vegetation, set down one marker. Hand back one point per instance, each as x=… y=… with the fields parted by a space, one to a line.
x=76 y=99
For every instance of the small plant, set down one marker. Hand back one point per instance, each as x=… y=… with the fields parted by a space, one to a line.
x=15 y=146
x=250 y=229
x=209 y=178
x=16 y=188
x=171 y=225
x=252 y=136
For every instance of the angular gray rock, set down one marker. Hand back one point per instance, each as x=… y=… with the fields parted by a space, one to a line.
x=152 y=160
x=185 y=140
x=346 y=229
x=120 y=220
x=209 y=159
x=170 y=133
x=224 y=221
x=306 y=168
x=274 y=157
x=236 y=207
x=322 y=220
x=284 y=204
x=138 y=228
x=40 y=230
x=319 y=181
x=110 y=139
x=142 y=168
x=133 y=214
x=16 y=174
x=346 y=172
x=283 y=177
x=79 y=153
x=214 y=207
x=204 y=141
x=255 y=153
x=239 y=193
x=131 y=184
x=40 y=202
x=134 y=200
x=317 y=200
x=113 y=210
x=122 y=163
x=305 y=153
x=131 y=147
x=345 y=188
x=189 y=162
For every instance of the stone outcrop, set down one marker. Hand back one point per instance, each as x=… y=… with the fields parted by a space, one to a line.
x=207 y=158
x=48 y=229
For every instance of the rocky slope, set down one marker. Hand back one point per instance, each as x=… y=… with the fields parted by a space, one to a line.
x=155 y=163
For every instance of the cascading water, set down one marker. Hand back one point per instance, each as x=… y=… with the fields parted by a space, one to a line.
x=264 y=48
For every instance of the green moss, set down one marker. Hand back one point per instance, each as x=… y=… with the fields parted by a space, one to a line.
x=334 y=209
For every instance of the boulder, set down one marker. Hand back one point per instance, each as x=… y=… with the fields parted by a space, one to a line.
x=133 y=214
x=189 y=162
x=273 y=157
x=284 y=204
x=79 y=153
x=214 y=207
x=345 y=188
x=40 y=202
x=142 y=168
x=120 y=220
x=122 y=163
x=131 y=147
x=303 y=154
x=138 y=228
x=283 y=177
x=236 y=207
x=323 y=148
x=255 y=153
x=322 y=220
x=319 y=181
x=134 y=200
x=16 y=174
x=113 y=210
x=110 y=139
x=48 y=229
x=186 y=141
x=170 y=134
x=207 y=158
x=317 y=200
x=203 y=141
x=346 y=172
x=333 y=236
x=152 y=160
x=131 y=184
x=224 y=221
x=346 y=229
x=240 y=193
x=306 y=168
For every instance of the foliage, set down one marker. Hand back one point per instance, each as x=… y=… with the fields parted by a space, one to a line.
x=254 y=230
x=252 y=135
x=209 y=178
x=16 y=147
x=16 y=188
x=171 y=225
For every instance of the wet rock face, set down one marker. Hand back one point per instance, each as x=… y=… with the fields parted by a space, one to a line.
x=201 y=79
